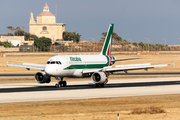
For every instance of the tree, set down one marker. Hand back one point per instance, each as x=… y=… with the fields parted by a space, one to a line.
x=10 y=29
x=18 y=28
x=10 y=34
x=33 y=37
x=77 y=37
x=43 y=43
x=19 y=33
x=135 y=44
x=15 y=31
x=125 y=41
x=5 y=44
x=29 y=37
x=68 y=36
x=116 y=37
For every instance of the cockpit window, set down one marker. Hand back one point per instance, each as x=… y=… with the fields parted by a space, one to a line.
x=53 y=62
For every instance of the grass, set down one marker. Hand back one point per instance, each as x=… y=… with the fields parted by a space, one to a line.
x=148 y=110
x=95 y=109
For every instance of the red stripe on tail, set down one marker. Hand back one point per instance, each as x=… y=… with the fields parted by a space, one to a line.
x=108 y=50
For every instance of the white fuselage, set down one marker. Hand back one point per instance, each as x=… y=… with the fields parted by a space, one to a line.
x=72 y=65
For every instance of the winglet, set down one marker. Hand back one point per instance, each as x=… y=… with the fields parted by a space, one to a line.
x=106 y=50
x=172 y=64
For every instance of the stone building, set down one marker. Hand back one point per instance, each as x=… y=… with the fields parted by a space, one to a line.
x=45 y=25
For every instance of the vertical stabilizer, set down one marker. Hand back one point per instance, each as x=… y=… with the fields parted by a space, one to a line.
x=106 y=50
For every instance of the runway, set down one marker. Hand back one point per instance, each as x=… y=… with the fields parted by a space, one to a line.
x=22 y=92
x=122 y=74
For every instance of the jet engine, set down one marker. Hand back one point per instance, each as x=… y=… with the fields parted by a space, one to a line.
x=42 y=77
x=99 y=77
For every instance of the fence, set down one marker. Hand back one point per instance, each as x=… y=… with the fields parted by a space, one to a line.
x=93 y=47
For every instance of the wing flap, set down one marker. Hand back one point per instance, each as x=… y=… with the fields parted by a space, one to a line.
x=27 y=65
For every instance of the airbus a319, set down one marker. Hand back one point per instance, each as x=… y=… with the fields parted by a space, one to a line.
x=98 y=67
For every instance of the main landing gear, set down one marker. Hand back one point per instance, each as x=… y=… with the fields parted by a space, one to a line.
x=60 y=82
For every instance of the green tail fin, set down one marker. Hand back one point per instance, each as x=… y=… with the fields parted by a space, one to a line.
x=106 y=50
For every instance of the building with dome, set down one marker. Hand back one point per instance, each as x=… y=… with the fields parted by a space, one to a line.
x=45 y=25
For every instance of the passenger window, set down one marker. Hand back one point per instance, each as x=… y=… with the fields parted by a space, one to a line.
x=53 y=62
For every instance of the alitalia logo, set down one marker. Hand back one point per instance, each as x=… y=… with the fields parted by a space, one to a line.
x=75 y=59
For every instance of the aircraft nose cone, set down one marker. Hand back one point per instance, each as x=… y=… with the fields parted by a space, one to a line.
x=48 y=70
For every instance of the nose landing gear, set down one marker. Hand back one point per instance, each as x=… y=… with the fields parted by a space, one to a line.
x=60 y=82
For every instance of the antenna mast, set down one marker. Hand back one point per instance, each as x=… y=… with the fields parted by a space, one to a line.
x=56 y=11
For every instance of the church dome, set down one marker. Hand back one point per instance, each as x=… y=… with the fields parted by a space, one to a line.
x=46 y=11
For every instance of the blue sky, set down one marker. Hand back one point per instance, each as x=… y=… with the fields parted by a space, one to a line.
x=134 y=19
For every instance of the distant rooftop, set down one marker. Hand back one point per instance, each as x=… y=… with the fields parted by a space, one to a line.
x=46 y=13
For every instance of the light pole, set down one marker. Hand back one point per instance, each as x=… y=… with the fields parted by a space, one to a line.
x=148 y=42
x=54 y=44
x=164 y=40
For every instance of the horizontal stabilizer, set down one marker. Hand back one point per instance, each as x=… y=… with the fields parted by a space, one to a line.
x=126 y=59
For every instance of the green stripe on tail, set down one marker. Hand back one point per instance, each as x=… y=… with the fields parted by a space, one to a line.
x=106 y=50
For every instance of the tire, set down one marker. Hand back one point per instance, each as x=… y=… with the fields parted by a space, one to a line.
x=61 y=83
x=102 y=85
x=56 y=85
x=97 y=85
x=64 y=83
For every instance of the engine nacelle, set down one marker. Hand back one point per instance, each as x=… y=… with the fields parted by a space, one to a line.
x=99 y=77
x=42 y=77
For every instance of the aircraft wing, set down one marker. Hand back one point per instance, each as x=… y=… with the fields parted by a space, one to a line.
x=28 y=66
x=125 y=68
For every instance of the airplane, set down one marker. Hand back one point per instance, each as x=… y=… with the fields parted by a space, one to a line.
x=98 y=67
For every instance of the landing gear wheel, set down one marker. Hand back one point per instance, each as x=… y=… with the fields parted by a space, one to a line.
x=102 y=85
x=60 y=82
x=97 y=85
x=56 y=85
x=64 y=83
